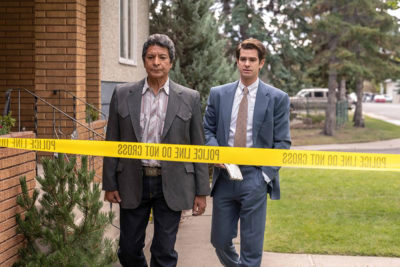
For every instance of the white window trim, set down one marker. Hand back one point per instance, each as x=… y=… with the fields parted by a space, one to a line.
x=124 y=60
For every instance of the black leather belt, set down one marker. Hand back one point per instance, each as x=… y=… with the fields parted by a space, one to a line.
x=151 y=171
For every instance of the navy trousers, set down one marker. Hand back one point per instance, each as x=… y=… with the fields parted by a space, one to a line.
x=133 y=224
x=245 y=200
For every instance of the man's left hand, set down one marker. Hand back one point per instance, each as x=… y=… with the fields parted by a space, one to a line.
x=199 y=205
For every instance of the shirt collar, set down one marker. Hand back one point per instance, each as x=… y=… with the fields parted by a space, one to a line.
x=165 y=86
x=252 y=87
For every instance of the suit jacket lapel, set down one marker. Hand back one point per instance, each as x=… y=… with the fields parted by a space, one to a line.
x=174 y=103
x=226 y=105
x=260 y=108
x=134 y=104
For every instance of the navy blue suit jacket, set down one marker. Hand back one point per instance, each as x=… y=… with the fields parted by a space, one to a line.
x=270 y=124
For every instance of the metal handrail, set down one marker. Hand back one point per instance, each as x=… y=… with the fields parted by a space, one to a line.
x=83 y=101
x=7 y=104
x=8 y=94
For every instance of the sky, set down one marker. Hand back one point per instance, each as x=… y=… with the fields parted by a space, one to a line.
x=395 y=13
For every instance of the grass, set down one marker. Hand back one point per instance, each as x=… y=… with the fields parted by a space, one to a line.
x=335 y=212
x=374 y=130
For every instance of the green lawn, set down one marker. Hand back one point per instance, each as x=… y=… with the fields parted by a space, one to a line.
x=374 y=130
x=335 y=212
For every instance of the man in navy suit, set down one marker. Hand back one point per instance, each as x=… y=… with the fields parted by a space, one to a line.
x=245 y=113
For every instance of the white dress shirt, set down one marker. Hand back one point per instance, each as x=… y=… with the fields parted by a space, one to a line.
x=251 y=98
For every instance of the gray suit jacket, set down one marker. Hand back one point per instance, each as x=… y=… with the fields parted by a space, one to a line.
x=270 y=124
x=181 y=180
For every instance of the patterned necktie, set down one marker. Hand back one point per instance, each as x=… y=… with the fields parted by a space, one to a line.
x=241 y=122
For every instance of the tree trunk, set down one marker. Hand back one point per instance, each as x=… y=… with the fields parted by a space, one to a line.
x=226 y=7
x=358 y=119
x=243 y=31
x=342 y=92
x=330 y=113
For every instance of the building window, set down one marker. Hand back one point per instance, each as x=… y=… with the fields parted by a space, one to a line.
x=127 y=31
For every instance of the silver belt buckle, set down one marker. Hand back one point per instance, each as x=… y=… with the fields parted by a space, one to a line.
x=151 y=171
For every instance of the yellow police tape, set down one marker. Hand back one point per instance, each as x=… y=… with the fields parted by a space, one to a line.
x=209 y=154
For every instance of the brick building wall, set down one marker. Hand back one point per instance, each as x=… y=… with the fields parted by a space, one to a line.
x=48 y=45
x=14 y=163
x=17 y=48
x=60 y=44
x=45 y=45
x=95 y=163
x=93 y=53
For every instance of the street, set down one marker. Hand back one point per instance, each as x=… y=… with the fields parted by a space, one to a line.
x=385 y=111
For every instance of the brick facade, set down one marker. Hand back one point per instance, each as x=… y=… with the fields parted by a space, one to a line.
x=45 y=45
x=95 y=163
x=60 y=44
x=93 y=53
x=14 y=163
x=17 y=55
x=49 y=45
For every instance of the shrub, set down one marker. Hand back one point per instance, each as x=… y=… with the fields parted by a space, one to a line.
x=54 y=237
x=6 y=123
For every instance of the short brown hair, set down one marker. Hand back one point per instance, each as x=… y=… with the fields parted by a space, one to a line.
x=252 y=43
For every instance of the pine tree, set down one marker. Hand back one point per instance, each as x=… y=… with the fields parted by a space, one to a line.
x=200 y=51
x=280 y=25
x=53 y=236
x=355 y=40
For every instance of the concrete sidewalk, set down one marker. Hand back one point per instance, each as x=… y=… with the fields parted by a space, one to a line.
x=388 y=145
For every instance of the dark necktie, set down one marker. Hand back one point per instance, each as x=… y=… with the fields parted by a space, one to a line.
x=241 y=122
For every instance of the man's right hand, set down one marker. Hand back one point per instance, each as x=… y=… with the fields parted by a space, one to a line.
x=218 y=165
x=112 y=196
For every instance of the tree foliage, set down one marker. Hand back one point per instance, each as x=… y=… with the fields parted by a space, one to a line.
x=310 y=43
x=200 y=50
x=281 y=26
x=53 y=235
x=354 y=40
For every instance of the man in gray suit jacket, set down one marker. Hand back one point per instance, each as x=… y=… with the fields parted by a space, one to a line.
x=246 y=113
x=154 y=110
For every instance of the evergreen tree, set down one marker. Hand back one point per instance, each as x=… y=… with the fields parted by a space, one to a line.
x=53 y=236
x=280 y=25
x=355 y=40
x=200 y=51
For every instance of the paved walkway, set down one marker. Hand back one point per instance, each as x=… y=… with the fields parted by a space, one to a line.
x=387 y=145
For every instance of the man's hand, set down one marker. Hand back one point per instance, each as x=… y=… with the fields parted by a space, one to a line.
x=112 y=196
x=199 y=205
x=218 y=165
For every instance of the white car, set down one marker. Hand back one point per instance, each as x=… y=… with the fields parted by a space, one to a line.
x=352 y=98
x=388 y=98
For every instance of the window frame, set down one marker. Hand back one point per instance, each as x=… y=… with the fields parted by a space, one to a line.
x=128 y=16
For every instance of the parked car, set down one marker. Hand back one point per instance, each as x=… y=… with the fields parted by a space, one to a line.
x=310 y=98
x=315 y=98
x=388 y=98
x=352 y=98
x=367 y=97
x=379 y=99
